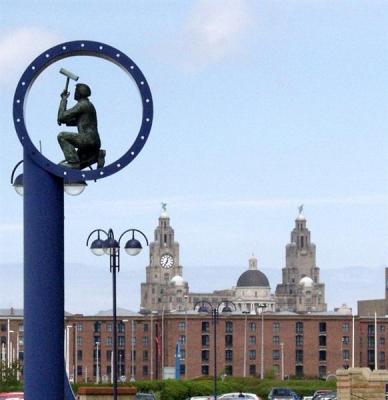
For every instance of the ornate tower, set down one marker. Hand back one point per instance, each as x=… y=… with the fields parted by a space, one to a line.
x=296 y=293
x=156 y=292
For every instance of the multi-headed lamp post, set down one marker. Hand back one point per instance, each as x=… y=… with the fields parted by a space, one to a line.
x=111 y=246
x=206 y=308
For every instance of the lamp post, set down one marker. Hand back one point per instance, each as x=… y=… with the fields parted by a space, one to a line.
x=67 y=346
x=245 y=344
x=282 y=359
x=261 y=307
x=111 y=246
x=97 y=364
x=133 y=342
x=206 y=308
x=187 y=339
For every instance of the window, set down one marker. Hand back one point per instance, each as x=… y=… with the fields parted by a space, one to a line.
x=145 y=341
x=228 y=340
x=205 y=340
x=228 y=370
x=382 y=328
x=183 y=354
x=182 y=340
x=299 y=340
x=252 y=326
x=382 y=356
x=79 y=355
x=299 y=327
x=382 y=340
x=133 y=355
x=145 y=327
x=109 y=355
x=97 y=326
x=109 y=326
x=182 y=369
x=299 y=356
x=181 y=325
x=145 y=355
x=205 y=370
x=108 y=341
x=345 y=327
x=371 y=330
x=322 y=355
x=371 y=356
x=345 y=340
x=322 y=341
x=79 y=341
x=276 y=327
x=322 y=327
x=145 y=370
x=21 y=327
x=3 y=327
x=205 y=355
x=322 y=371
x=228 y=355
x=252 y=354
x=275 y=340
x=252 y=340
x=252 y=369
x=371 y=341
x=275 y=354
x=79 y=370
x=345 y=354
x=205 y=326
x=121 y=327
x=121 y=341
x=229 y=326
x=96 y=339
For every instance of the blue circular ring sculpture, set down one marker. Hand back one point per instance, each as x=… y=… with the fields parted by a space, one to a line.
x=81 y=48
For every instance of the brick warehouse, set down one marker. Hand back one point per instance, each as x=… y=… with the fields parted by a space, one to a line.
x=306 y=345
x=288 y=333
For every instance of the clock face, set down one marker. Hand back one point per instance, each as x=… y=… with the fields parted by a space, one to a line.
x=166 y=261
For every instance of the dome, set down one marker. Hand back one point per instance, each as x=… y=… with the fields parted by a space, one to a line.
x=301 y=217
x=306 y=282
x=178 y=280
x=252 y=277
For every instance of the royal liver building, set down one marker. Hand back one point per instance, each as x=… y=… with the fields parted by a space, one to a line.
x=300 y=290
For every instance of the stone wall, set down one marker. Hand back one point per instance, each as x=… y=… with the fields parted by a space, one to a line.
x=361 y=384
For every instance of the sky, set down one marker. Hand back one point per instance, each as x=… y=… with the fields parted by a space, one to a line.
x=259 y=106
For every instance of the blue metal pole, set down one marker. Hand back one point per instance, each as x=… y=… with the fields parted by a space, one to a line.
x=44 y=368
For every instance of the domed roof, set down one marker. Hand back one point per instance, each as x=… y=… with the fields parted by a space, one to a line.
x=178 y=280
x=306 y=281
x=252 y=277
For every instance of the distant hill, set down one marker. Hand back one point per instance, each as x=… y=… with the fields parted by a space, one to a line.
x=88 y=288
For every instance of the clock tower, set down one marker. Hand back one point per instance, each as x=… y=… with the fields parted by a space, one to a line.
x=160 y=289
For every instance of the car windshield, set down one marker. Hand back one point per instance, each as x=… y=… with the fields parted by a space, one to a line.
x=282 y=392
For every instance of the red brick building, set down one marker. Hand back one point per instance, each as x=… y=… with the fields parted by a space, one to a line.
x=293 y=345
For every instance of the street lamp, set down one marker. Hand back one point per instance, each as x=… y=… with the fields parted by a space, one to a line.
x=261 y=307
x=71 y=187
x=245 y=343
x=206 y=308
x=111 y=246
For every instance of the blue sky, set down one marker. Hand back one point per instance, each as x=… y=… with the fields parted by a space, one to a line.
x=259 y=106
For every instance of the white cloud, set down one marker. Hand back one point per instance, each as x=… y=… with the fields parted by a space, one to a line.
x=215 y=29
x=10 y=228
x=19 y=47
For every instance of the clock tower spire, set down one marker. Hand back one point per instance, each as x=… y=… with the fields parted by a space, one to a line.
x=163 y=265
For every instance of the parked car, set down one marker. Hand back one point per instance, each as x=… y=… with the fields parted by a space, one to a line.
x=318 y=395
x=326 y=396
x=239 y=395
x=145 y=396
x=12 y=396
x=307 y=397
x=282 y=394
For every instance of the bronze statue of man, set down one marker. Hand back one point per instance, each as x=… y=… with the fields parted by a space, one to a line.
x=80 y=149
